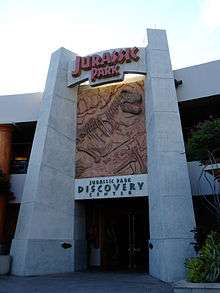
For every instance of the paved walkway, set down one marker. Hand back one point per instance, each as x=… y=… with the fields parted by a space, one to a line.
x=87 y=282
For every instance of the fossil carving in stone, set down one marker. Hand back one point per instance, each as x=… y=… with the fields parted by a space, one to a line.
x=111 y=136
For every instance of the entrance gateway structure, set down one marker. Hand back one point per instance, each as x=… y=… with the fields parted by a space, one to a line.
x=50 y=234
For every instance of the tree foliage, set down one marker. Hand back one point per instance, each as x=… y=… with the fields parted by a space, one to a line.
x=205 y=139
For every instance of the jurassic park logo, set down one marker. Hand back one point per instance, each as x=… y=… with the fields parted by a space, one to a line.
x=105 y=65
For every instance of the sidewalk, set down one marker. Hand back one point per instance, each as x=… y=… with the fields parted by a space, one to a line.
x=86 y=282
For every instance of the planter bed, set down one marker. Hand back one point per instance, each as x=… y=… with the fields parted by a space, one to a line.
x=187 y=287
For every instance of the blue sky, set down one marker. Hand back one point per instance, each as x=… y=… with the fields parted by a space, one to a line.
x=31 y=30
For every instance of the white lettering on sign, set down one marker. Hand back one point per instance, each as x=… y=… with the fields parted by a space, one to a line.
x=111 y=187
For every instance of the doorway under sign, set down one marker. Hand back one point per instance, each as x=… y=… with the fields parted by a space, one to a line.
x=117 y=233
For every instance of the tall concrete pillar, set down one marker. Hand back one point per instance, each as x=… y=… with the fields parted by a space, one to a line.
x=44 y=239
x=170 y=200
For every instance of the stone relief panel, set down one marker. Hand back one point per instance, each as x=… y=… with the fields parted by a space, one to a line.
x=111 y=135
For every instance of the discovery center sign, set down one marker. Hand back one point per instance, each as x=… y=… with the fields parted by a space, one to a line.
x=111 y=187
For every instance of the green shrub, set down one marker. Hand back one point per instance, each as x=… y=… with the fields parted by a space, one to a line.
x=205 y=139
x=206 y=266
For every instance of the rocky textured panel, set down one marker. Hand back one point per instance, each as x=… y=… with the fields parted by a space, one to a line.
x=111 y=136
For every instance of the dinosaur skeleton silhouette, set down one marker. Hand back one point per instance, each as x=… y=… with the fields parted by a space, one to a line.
x=92 y=137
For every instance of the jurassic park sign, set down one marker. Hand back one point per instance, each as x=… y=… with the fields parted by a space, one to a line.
x=105 y=65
